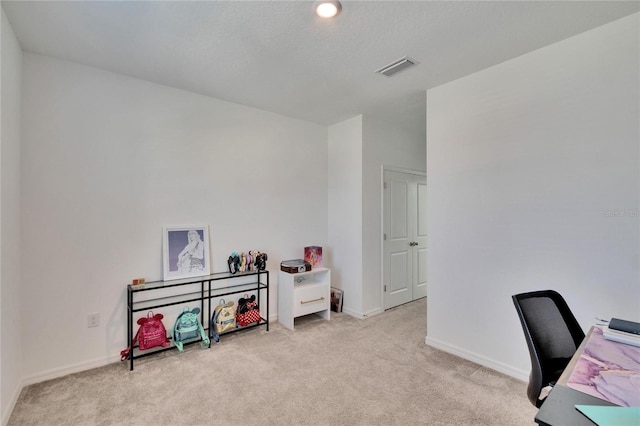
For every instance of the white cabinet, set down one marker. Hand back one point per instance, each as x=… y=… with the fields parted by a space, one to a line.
x=303 y=293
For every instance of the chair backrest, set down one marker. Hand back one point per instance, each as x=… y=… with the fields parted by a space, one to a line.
x=552 y=333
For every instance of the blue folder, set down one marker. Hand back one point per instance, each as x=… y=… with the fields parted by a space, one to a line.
x=611 y=416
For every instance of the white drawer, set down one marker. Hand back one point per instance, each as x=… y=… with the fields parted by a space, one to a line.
x=310 y=298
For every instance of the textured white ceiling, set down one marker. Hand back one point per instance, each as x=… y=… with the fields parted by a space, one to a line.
x=278 y=56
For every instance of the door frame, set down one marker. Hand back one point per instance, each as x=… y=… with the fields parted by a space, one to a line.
x=383 y=169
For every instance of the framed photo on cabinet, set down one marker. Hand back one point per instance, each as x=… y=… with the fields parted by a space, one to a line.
x=185 y=252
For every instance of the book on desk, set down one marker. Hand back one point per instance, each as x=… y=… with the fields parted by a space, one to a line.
x=622 y=331
x=625 y=326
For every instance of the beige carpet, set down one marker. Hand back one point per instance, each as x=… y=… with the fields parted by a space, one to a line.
x=340 y=372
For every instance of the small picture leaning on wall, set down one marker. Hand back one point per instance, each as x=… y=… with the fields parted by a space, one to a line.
x=336 y=299
x=185 y=252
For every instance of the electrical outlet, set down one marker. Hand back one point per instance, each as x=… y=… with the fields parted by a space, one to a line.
x=93 y=320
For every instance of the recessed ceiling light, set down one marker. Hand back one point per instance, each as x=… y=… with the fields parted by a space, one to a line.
x=327 y=8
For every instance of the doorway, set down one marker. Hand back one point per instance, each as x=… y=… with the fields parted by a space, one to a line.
x=404 y=237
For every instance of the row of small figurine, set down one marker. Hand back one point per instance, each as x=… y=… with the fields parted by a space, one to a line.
x=249 y=261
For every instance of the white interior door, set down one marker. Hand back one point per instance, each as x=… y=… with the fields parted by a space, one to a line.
x=404 y=239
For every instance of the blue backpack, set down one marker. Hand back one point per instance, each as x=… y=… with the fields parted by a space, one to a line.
x=188 y=326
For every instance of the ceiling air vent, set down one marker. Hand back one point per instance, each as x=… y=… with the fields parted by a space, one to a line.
x=397 y=66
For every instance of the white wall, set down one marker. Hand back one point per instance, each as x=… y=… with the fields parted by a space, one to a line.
x=534 y=183
x=385 y=144
x=10 y=281
x=358 y=150
x=345 y=211
x=108 y=160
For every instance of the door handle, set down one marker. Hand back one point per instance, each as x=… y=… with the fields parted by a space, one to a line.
x=413 y=243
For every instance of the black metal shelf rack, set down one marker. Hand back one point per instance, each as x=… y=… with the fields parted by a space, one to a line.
x=256 y=281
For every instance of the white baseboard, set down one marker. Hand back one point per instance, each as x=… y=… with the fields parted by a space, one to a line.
x=373 y=312
x=14 y=398
x=54 y=373
x=361 y=315
x=478 y=359
x=83 y=366
x=353 y=313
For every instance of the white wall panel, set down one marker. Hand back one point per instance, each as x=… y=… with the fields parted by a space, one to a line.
x=345 y=211
x=10 y=278
x=534 y=183
x=109 y=160
x=397 y=146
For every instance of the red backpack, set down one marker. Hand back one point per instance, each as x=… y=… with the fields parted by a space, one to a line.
x=248 y=311
x=151 y=333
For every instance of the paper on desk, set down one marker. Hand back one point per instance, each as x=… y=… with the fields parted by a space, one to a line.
x=611 y=416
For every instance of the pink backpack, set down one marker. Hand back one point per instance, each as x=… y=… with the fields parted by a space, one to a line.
x=151 y=333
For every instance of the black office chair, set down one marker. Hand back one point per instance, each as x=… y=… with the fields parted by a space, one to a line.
x=553 y=335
